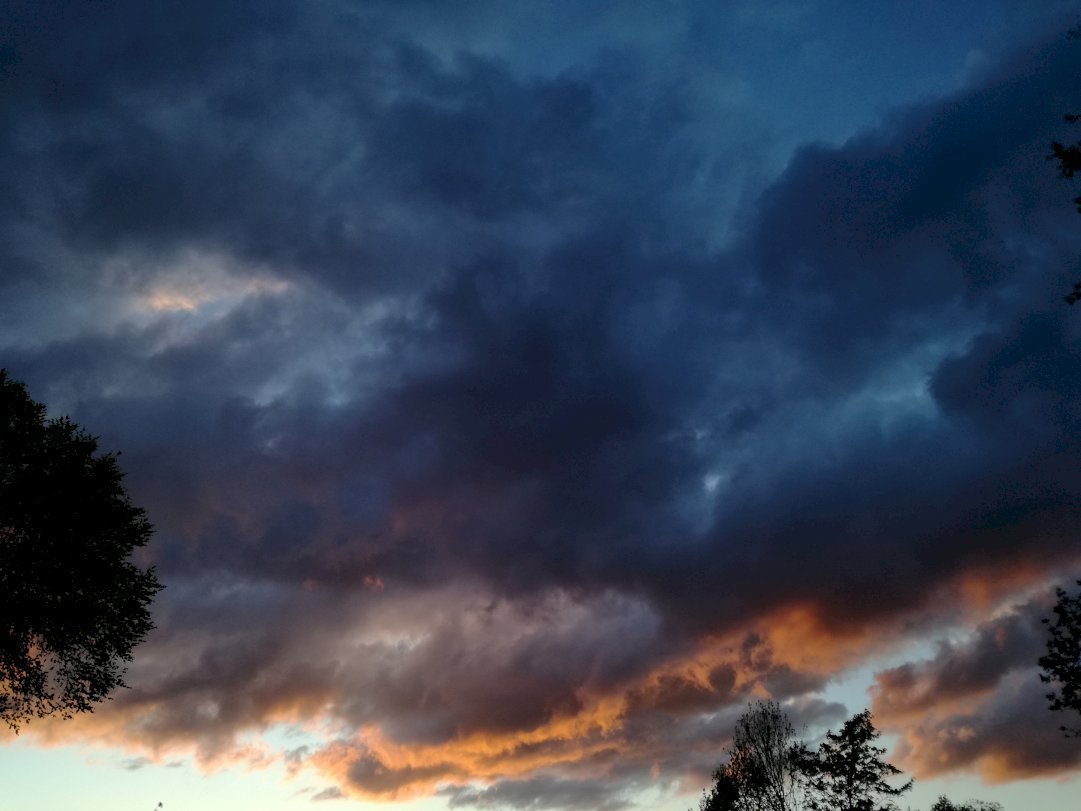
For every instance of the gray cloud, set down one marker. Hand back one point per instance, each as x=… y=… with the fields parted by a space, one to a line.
x=1009 y=736
x=329 y=793
x=537 y=792
x=453 y=411
x=960 y=670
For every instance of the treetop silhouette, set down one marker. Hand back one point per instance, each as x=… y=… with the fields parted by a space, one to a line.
x=72 y=603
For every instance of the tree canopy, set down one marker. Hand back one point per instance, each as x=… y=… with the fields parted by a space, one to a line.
x=73 y=605
x=762 y=772
x=1061 y=665
x=849 y=774
x=769 y=769
x=1069 y=163
x=943 y=804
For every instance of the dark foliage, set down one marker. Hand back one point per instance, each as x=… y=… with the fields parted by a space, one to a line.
x=725 y=793
x=1068 y=156
x=762 y=772
x=943 y=804
x=1061 y=665
x=1069 y=162
x=769 y=769
x=849 y=774
x=72 y=603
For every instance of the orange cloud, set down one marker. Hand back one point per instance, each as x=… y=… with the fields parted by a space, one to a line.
x=413 y=692
x=1010 y=735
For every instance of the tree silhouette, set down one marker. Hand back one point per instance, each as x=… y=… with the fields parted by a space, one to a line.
x=943 y=804
x=1069 y=163
x=1061 y=665
x=762 y=772
x=72 y=604
x=769 y=769
x=726 y=793
x=1068 y=155
x=849 y=774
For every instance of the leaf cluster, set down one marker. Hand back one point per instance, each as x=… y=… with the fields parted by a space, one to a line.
x=72 y=603
x=1061 y=665
x=943 y=804
x=1069 y=162
x=848 y=772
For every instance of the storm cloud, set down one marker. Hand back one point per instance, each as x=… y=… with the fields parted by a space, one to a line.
x=507 y=426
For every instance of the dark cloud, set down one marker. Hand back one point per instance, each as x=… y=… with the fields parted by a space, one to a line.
x=1025 y=377
x=1007 y=737
x=977 y=704
x=860 y=278
x=458 y=421
x=678 y=693
x=972 y=668
x=538 y=792
x=371 y=775
x=532 y=396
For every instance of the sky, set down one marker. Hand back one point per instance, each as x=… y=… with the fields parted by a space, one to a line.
x=518 y=390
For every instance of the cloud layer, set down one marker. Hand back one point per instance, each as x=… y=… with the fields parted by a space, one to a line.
x=508 y=425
